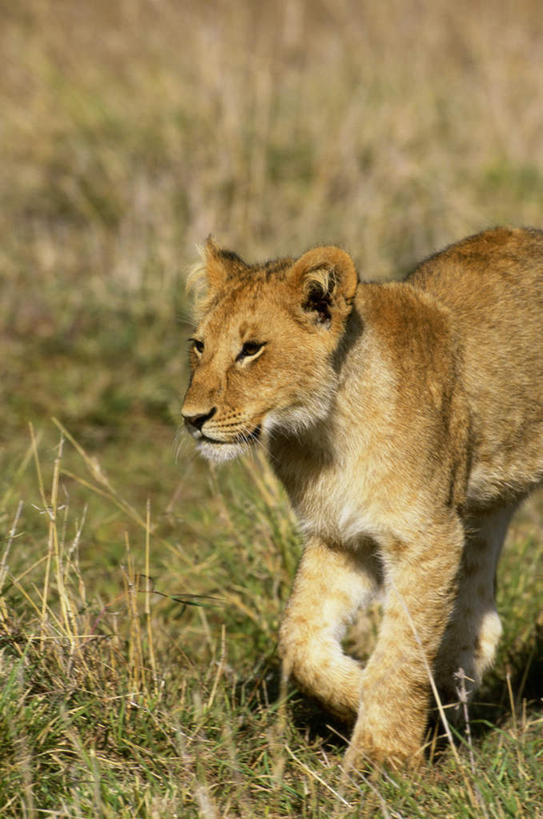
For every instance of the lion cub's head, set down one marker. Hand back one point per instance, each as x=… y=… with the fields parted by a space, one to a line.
x=262 y=353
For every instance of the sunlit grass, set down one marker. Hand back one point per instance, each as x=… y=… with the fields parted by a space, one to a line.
x=152 y=678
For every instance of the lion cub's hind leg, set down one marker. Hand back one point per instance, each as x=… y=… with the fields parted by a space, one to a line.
x=331 y=586
x=474 y=630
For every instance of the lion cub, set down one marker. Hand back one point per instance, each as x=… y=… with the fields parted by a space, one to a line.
x=405 y=421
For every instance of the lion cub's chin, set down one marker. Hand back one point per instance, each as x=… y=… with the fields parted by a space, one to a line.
x=221 y=452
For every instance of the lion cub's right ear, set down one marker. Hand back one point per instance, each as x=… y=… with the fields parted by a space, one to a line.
x=212 y=273
x=325 y=279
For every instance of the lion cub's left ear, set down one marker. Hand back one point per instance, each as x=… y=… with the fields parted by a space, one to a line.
x=211 y=274
x=326 y=280
x=220 y=265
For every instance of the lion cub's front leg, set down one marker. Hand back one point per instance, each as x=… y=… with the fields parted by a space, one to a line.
x=420 y=583
x=330 y=586
x=391 y=695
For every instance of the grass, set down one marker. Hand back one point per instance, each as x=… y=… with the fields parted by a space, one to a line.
x=139 y=594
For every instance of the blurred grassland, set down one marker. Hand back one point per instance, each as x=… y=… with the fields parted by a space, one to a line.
x=128 y=132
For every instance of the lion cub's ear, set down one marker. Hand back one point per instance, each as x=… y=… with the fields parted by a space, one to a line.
x=326 y=280
x=211 y=274
x=220 y=264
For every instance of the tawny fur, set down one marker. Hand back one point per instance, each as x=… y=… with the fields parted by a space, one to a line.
x=405 y=421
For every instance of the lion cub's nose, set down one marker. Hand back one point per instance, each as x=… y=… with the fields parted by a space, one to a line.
x=197 y=421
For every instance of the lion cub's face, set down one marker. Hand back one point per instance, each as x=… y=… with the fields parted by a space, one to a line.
x=262 y=353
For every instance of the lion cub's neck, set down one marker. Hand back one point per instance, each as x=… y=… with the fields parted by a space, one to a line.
x=313 y=464
x=395 y=383
x=319 y=447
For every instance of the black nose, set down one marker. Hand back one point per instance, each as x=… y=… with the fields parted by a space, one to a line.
x=197 y=421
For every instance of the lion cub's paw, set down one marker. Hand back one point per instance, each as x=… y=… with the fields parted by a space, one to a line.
x=367 y=750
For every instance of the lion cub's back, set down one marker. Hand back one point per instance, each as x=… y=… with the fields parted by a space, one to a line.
x=478 y=272
x=493 y=285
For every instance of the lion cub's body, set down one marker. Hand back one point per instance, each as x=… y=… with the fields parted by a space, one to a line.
x=406 y=422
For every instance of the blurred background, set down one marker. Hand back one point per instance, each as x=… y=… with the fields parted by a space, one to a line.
x=129 y=131
x=132 y=130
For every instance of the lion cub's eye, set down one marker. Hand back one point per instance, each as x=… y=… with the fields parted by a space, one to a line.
x=250 y=349
x=197 y=345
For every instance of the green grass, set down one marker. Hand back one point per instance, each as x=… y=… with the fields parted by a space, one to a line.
x=123 y=694
x=140 y=592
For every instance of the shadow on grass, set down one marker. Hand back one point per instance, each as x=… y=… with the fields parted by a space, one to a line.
x=517 y=689
x=263 y=691
x=317 y=724
x=510 y=694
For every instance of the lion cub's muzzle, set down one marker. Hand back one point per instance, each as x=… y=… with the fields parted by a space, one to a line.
x=194 y=423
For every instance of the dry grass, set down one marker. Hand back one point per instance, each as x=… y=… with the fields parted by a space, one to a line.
x=137 y=637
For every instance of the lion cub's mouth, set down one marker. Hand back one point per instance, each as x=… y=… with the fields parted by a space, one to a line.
x=244 y=438
x=217 y=450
